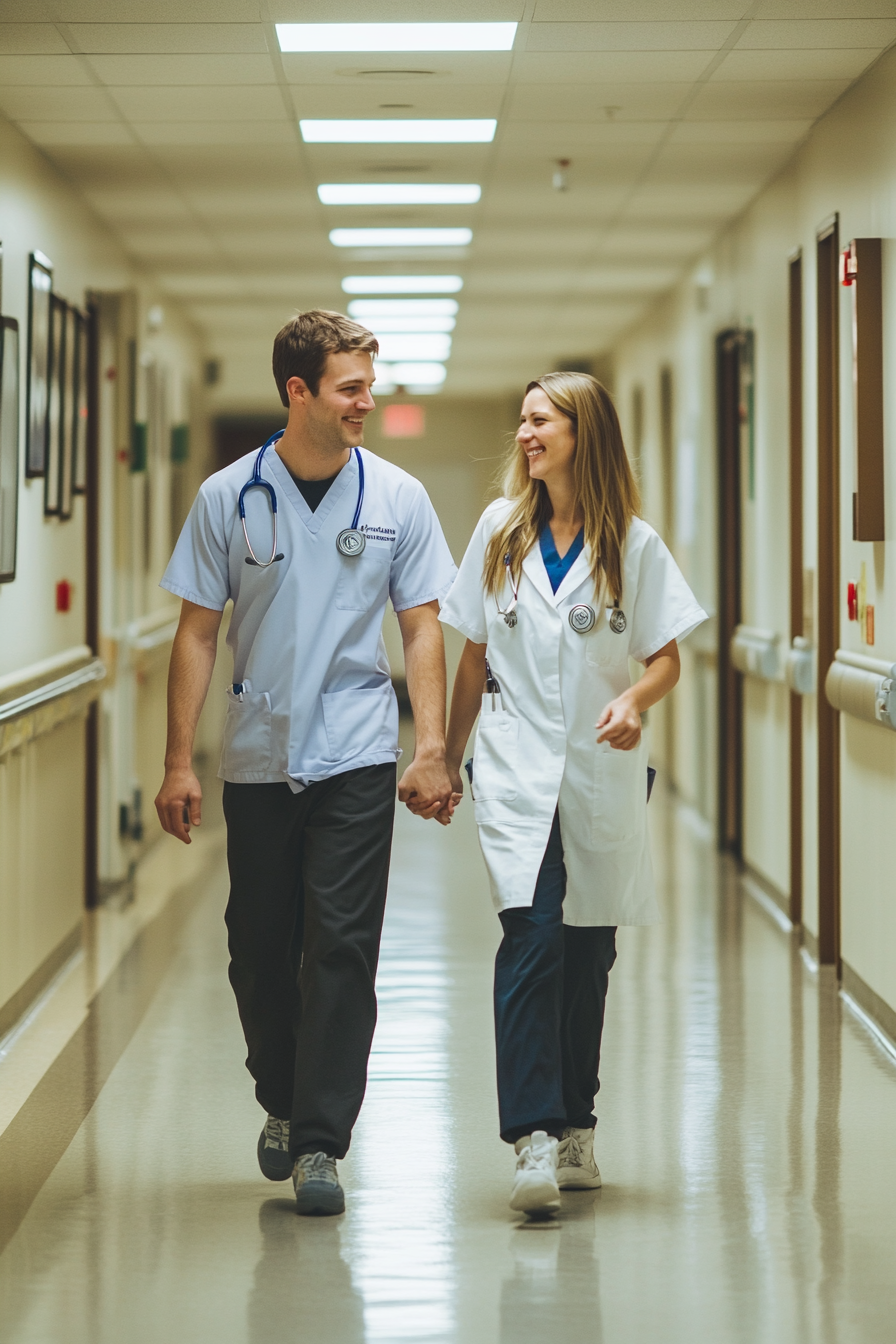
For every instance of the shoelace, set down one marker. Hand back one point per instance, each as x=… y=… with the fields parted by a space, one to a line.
x=318 y=1167
x=276 y=1134
x=572 y=1154
x=531 y=1157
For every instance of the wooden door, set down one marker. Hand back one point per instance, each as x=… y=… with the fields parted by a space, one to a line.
x=795 y=394
x=729 y=345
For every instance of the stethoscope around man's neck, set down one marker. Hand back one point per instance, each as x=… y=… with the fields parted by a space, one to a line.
x=581 y=617
x=350 y=542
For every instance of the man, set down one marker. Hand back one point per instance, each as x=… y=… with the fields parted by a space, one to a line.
x=309 y=554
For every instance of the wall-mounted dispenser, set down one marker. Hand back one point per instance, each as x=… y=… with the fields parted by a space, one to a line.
x=863 y=687
x=799 y=666
x=757 y=653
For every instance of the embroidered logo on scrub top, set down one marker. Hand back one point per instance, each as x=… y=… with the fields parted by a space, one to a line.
x=379 y=533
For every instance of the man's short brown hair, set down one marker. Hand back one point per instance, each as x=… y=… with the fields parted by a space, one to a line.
x=302 y=346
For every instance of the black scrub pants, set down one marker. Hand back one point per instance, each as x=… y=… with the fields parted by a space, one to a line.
x=550 y=993
x=308 y=876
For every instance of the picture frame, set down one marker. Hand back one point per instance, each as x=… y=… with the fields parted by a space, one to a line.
x=9 y=446
x=68 y=410
x=80 y=408
x=40 y=288
x=53 y=465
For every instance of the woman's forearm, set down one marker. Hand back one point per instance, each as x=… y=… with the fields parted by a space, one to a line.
x=660 y=676
x=465 y=701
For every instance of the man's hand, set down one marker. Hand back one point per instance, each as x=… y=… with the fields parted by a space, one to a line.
x=425 y=787
x=179 y=803
x=620 y=723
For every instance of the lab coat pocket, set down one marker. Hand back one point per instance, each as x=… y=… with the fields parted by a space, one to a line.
x=364 y=578
x=495 y=755
x=368 y=716
x=247 y=733
x=620 y=797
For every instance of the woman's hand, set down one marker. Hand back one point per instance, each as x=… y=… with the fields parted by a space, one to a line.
x=457 y=792
x=620 y=723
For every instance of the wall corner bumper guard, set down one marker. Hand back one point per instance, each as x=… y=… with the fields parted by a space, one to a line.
x=757 y=653
x=863 y=687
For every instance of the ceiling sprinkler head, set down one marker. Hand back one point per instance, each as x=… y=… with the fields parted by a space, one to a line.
x=560 y=179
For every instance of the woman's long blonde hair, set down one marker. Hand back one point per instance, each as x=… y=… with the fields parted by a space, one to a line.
x=605 y=486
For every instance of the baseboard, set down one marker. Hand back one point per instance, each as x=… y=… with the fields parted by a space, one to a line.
x=778 y=897
x=16 y=1006
x=880 y=1012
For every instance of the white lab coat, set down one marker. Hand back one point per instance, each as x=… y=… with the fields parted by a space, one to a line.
x=536 y=747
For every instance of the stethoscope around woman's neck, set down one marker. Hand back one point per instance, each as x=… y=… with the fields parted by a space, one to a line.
x=350 y=542
x=581 y=617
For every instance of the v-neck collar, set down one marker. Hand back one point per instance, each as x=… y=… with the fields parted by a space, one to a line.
x=313 y=519
x=535 y=571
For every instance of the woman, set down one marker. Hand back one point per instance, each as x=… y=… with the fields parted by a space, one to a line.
x=561 y=584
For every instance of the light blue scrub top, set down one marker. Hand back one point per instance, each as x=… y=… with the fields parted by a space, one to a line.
x=306 y=633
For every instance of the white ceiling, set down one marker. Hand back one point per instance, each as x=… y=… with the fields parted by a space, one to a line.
x=178 y=121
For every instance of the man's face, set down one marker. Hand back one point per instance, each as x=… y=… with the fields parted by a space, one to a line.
x=335 y=417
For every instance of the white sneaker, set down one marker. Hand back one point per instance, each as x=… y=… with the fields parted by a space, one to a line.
x=535 y=1190
x=576 y=1167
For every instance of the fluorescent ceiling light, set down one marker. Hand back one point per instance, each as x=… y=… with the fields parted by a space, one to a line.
x=399 y=193
x=409 y=324
x=396 y=36
x=400 y=237
x=405 y=346
x=402 y=284
x=411 y=373
x=444 y=131
x=403 y=307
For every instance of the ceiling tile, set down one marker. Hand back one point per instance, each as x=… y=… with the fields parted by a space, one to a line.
x=688 y=202
x=213 y=70
x=641 y=11
x=76 y=132
x=52 y=71
x=168 y=38
x=722 y=164
x=739 y=132
x=826 y=63
x=778 y=100
x=628 y=37
x=228 y=206
x=620 y=67
x=447 y=100
x=583 y=104
x=214 y=132
x=160 y=245
x=165 y=11
x=65 y=104
x=31 y=38
x=826 y=9
x=810 y=34
x=152 y=206
x=383 y=67
x=157 y=103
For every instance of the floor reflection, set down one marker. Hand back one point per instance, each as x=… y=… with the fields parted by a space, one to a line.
x=554 y=1289
x=302 y=1287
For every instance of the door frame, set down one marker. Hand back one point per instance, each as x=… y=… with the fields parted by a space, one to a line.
x=728 y=346
x=795 y=428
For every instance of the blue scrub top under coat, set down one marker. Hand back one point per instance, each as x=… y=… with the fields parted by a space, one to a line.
x=306 y=633
x=558 y=569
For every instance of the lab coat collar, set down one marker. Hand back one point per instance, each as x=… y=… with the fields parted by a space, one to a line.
x=534 y=569
x=579 y=571
x=314 y=521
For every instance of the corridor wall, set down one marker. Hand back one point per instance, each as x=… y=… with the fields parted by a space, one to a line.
x=43 y=753
x=846 y=166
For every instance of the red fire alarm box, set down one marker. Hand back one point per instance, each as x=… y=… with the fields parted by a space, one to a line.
x=63 y=595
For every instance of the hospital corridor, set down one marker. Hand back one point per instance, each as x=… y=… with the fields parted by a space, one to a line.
x=485 y=415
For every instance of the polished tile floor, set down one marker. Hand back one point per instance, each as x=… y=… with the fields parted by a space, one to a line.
x=746 y=1140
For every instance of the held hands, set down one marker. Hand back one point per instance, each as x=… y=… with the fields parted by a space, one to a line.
x=427 y=790
x=620 y=723
x=179 y=803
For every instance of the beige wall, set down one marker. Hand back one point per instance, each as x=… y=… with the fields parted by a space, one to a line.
x=848 y=164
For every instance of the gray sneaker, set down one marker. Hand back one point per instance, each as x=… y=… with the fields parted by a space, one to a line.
x=273 y=1150
x=317 y=1185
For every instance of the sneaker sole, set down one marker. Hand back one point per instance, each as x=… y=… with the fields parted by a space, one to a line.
x=316 y=1200
x=541 y=1198
x=278 y=1169
x=577 y=1182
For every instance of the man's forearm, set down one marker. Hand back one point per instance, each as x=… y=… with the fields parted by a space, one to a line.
x=189 y=677
x=424 y=659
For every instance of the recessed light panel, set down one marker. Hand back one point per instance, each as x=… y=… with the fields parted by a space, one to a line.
x=402 y=308
x=408 y=324
x=402 y=284
x=411 y=374
x=400 y=237
x=395 y=131
x=396 y=36
x=405 y=346
x=399 y=193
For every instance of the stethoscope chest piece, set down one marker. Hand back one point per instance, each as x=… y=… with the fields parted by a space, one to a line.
x=582 y=618
x=617 y=621
x=510 y=618
x=351 y=542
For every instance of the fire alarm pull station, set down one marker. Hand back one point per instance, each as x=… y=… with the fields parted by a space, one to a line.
x=849 y=265
x=852 y=602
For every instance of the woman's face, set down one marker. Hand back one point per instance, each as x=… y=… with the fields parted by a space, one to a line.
x=546 y=436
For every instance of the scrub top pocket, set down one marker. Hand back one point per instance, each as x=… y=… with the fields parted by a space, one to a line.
x=247 y=734
x=495 y=756
x=364 y=578
x=368 y=716
x=620 y=797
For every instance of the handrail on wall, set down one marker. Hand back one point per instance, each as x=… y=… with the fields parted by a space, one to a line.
x=94 y=671
x=756 y=652
x=799 y=666
x=863 y=687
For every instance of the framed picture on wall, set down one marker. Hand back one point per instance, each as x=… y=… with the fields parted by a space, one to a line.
x=37 y=391
x=79 y=428
x=55 y=406
x=68 y=409
x=9 y=446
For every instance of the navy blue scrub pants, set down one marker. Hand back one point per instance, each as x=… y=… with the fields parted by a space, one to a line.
x=308 y=876
x=550 y=993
